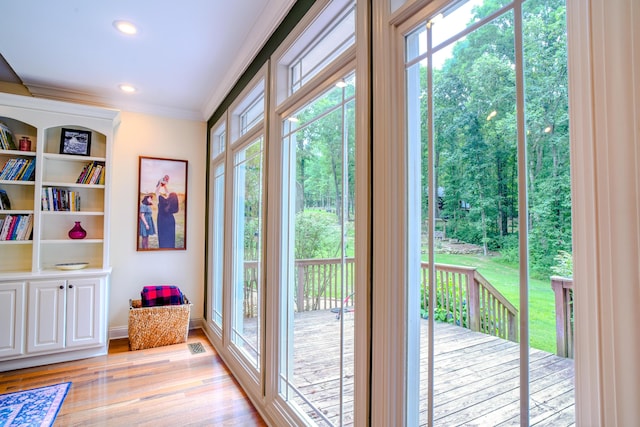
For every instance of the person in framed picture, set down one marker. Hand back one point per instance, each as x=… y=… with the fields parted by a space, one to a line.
x=147 y=227
x=168 y=205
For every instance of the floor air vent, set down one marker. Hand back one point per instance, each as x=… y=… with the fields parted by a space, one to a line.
x=196 y=348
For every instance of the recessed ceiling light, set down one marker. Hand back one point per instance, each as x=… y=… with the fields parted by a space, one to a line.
x=125 y=27
x=127 y=88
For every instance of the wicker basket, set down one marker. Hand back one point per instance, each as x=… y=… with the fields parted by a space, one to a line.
x=157 y=326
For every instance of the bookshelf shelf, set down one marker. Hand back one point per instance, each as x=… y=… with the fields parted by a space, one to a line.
x=18 y=153
x=14 y=182
x=70 y=241
x=16 y=242
x=70 y=184
x=15 y=212
x=73 y=213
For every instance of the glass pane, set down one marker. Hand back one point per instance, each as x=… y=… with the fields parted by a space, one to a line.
x=316 y=359
x=218 y=141
x=247 y=240
x=247 y=113
x=331 y=41
x=549 y=191
x=217 y=255
x=474 y=297
x=475 y=215
x=252 y=115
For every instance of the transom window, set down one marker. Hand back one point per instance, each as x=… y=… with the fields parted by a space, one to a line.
x=329 y=36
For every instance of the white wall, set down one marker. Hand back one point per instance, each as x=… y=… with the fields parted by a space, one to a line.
x=154 y=136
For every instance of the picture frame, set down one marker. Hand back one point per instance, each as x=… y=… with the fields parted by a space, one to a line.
x=75 y=142
x=162 y=204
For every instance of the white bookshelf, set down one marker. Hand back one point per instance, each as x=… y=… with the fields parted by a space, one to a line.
x=35 y=292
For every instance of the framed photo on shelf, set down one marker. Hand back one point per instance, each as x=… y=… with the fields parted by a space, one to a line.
x=162 y=204
x=76 y=142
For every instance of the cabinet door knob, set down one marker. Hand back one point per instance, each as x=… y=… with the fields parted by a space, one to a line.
x=61 y=287
x=70 y=286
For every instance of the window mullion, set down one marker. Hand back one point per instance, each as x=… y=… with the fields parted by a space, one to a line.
x=523 y=215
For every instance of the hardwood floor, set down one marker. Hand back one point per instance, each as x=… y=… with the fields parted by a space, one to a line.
x=164 y=386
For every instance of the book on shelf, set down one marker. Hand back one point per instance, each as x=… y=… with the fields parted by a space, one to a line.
x=23 y=232
x=17 y=227
x=5 y=203
x=7 y=167
x=6 y=138
x=5 y=227
x=59 y=199
x=28 y=172
x=18 y=169
x=92 y=173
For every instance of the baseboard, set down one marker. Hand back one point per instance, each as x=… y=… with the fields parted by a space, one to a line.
x=118 y=332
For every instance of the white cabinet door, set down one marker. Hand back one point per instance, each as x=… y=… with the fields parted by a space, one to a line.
x=46 y=316
x=84 y=312
x=11 y=318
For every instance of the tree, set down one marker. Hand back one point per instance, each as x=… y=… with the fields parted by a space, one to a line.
x=475 y=132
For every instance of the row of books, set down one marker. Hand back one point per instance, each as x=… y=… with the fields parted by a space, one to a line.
x=18 y=169
x=16 y=227
x=6 y=138
x=60 y=199
x=92 y=173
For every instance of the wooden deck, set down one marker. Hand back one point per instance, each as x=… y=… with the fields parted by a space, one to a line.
x=476 y=379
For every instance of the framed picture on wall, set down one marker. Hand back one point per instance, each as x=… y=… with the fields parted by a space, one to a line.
x=162 y=204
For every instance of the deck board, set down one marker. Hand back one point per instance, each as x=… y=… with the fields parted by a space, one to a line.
x=476 y=375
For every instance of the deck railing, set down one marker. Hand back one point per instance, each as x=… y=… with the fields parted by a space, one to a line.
x=466 y=298
x=318 y=285
x=563 y=290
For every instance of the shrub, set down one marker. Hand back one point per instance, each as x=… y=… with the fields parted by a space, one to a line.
x=564 y=264
x=317 y=234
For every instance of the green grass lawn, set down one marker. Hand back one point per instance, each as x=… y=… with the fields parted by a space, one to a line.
x=505 y=278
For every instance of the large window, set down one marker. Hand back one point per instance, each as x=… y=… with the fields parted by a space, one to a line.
x=329 y=36
x=318 y=289
x=487 y=226
x=282 y=215
x=216 y=231
x=247 y=249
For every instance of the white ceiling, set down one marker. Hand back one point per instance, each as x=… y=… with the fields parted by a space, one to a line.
x=185 y=58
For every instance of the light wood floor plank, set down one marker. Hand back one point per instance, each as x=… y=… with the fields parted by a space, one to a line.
x=164 y=386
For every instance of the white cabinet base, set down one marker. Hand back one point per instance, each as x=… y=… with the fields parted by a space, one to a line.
x=28 y=361
x=54 y=317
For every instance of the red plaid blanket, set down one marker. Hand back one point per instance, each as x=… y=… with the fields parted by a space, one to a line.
x=161 y=295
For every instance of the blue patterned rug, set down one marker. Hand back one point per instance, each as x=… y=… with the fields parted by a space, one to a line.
x=35 y=407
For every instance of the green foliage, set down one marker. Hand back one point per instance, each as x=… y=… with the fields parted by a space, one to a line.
x=324 y=139
x=317 y=235
x=476 y=150
x=509 y=250
x=441 y=312
x=564 y=264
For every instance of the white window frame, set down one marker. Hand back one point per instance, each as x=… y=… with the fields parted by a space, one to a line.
x=280 y=106
x=251 y=378
x=217 y=157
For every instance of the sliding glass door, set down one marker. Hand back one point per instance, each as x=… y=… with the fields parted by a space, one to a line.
x=318 y=292
x=488 y=209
